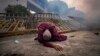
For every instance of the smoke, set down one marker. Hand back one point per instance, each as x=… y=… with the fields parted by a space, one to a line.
x=91 y=9
x=58 y=7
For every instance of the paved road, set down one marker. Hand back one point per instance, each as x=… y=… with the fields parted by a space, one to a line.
x=80 y=43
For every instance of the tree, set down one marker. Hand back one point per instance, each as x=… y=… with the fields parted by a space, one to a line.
x=16 y=10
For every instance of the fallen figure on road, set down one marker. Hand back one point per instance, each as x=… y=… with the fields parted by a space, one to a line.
x=47 y=33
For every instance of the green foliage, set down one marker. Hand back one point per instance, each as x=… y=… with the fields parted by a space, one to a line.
x=13 y=9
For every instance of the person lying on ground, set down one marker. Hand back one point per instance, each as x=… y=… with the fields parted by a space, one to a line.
x=47 y=33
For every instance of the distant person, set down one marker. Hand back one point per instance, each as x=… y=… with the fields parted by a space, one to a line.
x=47 y=33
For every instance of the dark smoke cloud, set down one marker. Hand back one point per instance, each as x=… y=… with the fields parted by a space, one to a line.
x=91 y=9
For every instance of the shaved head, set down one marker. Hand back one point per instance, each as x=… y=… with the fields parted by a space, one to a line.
x=47 y=35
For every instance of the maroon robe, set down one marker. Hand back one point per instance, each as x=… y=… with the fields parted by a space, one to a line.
x=55 y=35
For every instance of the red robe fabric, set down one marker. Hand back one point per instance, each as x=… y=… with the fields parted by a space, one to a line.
x=55 y=35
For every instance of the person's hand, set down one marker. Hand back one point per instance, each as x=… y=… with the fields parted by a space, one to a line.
x=58 y=48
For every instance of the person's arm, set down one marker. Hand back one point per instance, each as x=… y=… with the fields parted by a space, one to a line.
x=56 y=47
x=48 y=44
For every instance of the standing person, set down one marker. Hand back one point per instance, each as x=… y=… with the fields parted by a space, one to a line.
x=47 y=33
